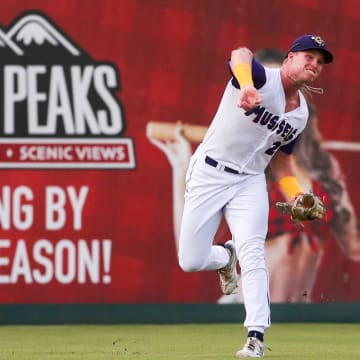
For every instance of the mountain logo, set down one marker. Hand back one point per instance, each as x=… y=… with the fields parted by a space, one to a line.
x=60 y=107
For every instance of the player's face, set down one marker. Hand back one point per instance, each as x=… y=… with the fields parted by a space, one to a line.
x=307 y=65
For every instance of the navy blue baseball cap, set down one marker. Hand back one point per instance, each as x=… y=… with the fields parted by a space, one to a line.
x=311 y=42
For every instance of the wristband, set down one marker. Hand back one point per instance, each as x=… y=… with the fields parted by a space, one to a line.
x=242 y=73
x=290 y=186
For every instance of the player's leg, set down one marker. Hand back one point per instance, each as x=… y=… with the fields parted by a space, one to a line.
x=206 y=194
x=247 y=216
x=196 y=251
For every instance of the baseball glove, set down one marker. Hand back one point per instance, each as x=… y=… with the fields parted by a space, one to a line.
x=304 y=207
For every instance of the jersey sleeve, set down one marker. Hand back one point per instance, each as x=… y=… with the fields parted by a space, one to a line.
x=258 y=75
x=288 y=148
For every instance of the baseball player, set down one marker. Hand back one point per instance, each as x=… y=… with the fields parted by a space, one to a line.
x=259 y=118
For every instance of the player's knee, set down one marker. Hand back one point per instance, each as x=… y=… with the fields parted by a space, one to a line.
x=252 y=258
x=190 y=264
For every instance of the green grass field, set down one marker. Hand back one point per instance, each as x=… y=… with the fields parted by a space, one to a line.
x=175 y=342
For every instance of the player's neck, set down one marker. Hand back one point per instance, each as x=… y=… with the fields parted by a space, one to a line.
x=291 y=90
x=290 y=84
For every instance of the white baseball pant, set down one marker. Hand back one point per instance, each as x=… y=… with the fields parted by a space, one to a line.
x=243 y=200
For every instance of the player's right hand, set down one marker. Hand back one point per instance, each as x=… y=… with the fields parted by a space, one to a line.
x=249 y=98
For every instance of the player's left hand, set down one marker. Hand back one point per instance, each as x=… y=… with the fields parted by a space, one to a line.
x=304 y=207
x=249 y=98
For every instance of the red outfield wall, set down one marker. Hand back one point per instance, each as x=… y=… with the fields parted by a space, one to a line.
x=85 y=198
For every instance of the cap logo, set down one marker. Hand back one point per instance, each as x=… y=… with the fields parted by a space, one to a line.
x=318 y=40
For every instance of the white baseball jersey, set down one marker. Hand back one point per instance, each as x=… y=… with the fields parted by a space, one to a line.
x=246 y=141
